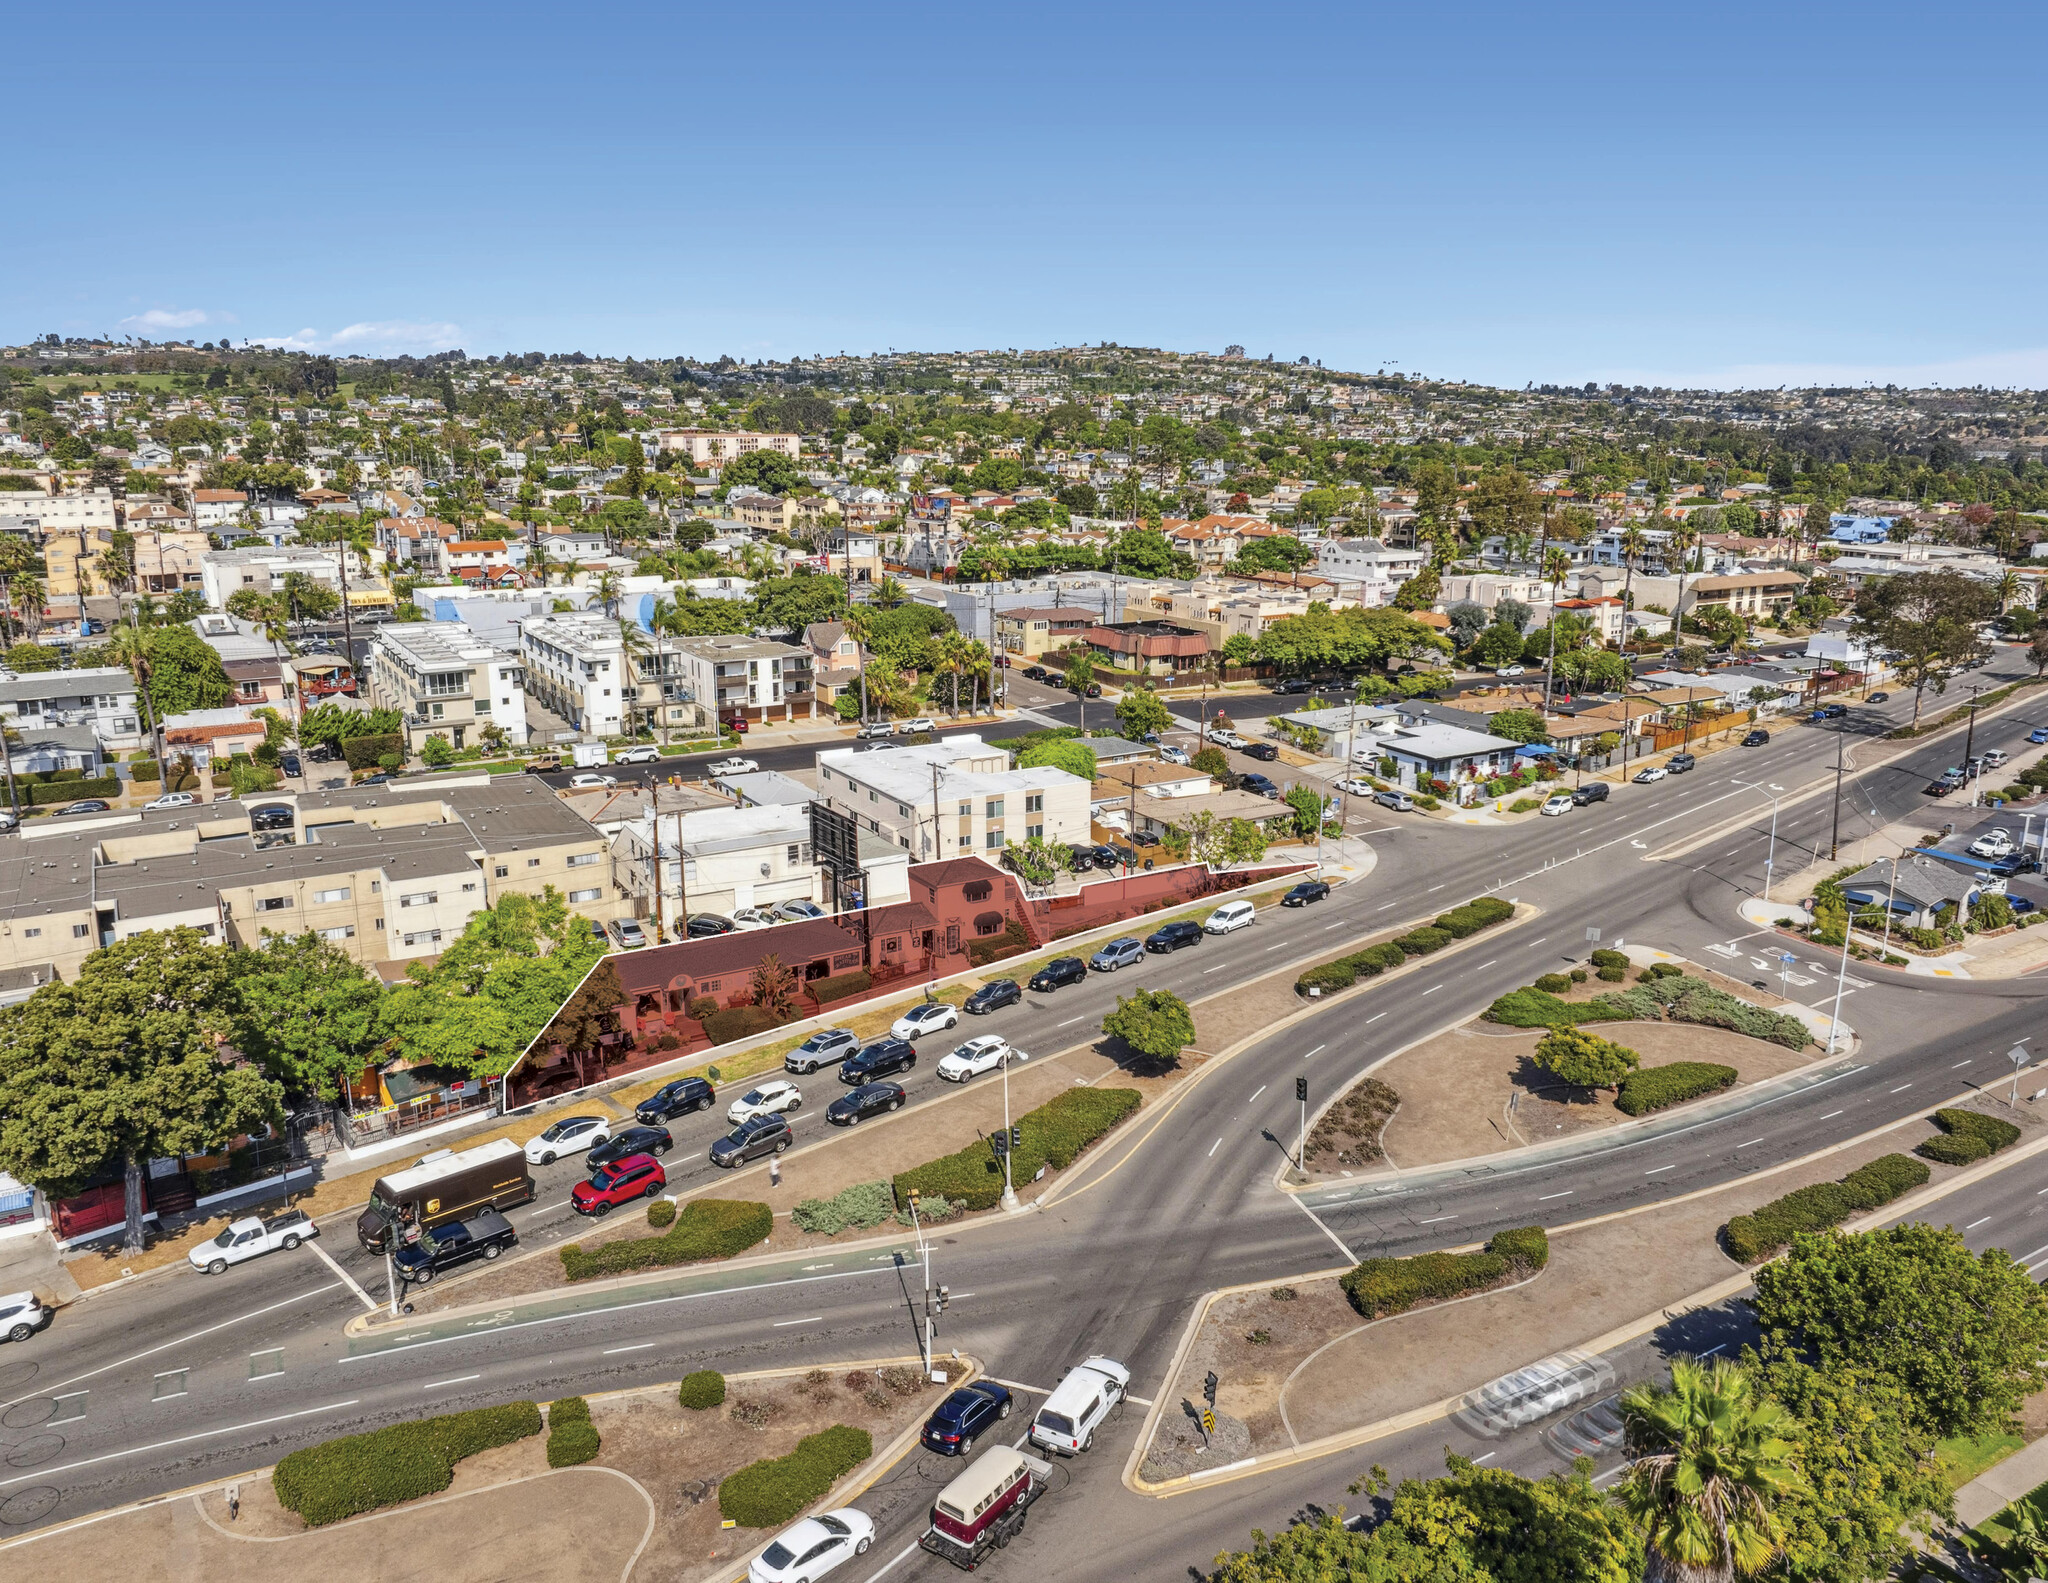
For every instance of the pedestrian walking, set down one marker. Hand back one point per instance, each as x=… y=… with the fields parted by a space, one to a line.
x=234 y=1502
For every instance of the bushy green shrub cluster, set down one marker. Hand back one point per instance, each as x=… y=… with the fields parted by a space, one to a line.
x=1553 y=983
x=1699 y=1002
x=1668 y=994
x=768 y=1493
x=1755 y=1237
x=1654 y=1087
x=661 y=1213
x=862 y=1205
x=737 y=1022
x=701 y=1390
x=359 y=1473
x=1054 y=1134
x=1966 y=1136
x=1584 y=1060
x=71 y=791
x=706 y=1228
x=572 y=1437
x=1609 y=958
x=1530 y=1007
x=1459 y=923
x=1380 y=1287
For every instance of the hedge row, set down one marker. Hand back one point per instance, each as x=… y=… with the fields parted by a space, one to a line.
x=707 y=1228
x=71 y=791
x=1054 y=1134
x=1654 y=1087
x=1669 y=995
x=362 y=753
x=359 y=1473
x=1379 y=1287
x=768 y=1493
x=1458 y=924
x=1530 y=1007
x=1966 y=1136
x=1755 y=1237
x=572 y=1437
x=738 y=1022
x=841 y=985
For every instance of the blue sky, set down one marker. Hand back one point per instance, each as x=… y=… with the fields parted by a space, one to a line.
x=1735 y=195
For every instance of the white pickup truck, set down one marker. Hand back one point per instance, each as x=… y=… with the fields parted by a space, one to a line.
x=251 y=1238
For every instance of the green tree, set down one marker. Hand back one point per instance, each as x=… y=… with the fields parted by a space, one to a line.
x=306 y=1011
x=1146 y=552
x=1420 y=591
x=1582 y=1059
x=1518 y=725
x=1139 y=710
x=1710 y=1462
x=1279 y=552
x=1307 y=804
x=1154 y=1022
x=185 y=672
x=1066 y=753
x=436 y=751
x=1498 y=645
x=1930 y=618
x=1242 y=842
x=23 y=658
x=119 y=1067
x=769 y=472
x=1078 y=672
x=1036 y=860
x=795 y=602
x=1962 y=1335
x=1211 y=762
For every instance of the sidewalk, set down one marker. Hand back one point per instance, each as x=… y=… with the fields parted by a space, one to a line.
x=1990 y=1493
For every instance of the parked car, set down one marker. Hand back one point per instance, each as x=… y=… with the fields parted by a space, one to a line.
x=1123 y=952
x=1591 y=792
x=796 y=910
x=251 y=1239
x=1227 y=737
x=1061 y=970
x=1255 y=782
x=744 y=918
x=656 y=1141
x=872 y=729
x=879 y=1059
x=734 y=766
x=964 y=1417
x=992 y=996
x=870 y=1099
x=1227 y=919
x=289 y=763
x=1174 y=936
x=1557 y=803
x=636 y=1176
x=646 y=753
x=826 y=1047
x=628 y=933
x=813 y=1547
x=171 y=800
x=1941 y=786
x=773 y=1098
x=539 y=764
x=1067 y=1421
x=984 y=1053
x=1265 y=752
x=703 y=925
x=1292 y=684
x=570 y=1135
x=1885 y=698
x=1036 y=673
x=1512 y=670
x=2019 y=904
x=1992 y=843
x=278 y=816
x=86 y=805
x=1080 y=860
x=1648 y=773
x=736 y=724
x=1994 y=758
x=932 y=1017
x=1395 y=799
x=1756 y=739
x=1829 y=712
x=680 y=1098
x=485 y=1236
x=22 y=1314
x=590 y=780
x=1306 y=891
x=1170 y=754
x=1357 y=786
x=1092 y=690
x=750 y=1140
x=1680 y=763
x=1109 y=858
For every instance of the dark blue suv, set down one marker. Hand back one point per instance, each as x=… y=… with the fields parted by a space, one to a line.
x=965 y=1416
x=875 y=1060
x=685 y=1094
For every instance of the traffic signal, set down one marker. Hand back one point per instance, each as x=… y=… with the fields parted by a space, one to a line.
x=1000 y=1143
x=1209 y=1388
x=1301 y=1089
x=945 y=1296
x=1016 y=1139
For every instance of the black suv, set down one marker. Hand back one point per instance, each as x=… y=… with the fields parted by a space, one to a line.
x=1264 y=751
x=487 y=1236
x=998 y=992
x=1592 y=791
x=1172 y=936
x=1080 y=860
x=634 y=1140
x=1679 y=763
x=1060 y=970
x=877 y=1060
x=751 y=1139
x=681 y=1097
x=1757 y=739
x=870 y=1099
x=1256 y=782
x=274 y=817
x=1293 y=684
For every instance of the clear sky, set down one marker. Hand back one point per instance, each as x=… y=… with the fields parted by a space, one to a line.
x=1732 y=195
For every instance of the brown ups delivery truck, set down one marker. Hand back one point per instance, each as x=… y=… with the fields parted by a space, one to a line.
x=442 y=1188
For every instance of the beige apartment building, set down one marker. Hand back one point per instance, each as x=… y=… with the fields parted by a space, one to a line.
x=714 y=447
x=446 y=681
x=1030 y=632
x=956 y=797
x=166 y=561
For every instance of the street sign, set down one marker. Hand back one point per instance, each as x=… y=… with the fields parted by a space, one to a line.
x=1208 y=1421
x=1593 y=935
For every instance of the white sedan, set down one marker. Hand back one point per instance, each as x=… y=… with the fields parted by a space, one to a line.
x=591 y=781
x=570 y=1135
x=1655 y=772
x=1358 y=786
x=734 y=766
x=932 y=1016
x=251 y=1238
x=982 y=1054
x=770 y=1099
x=813 y=1547
x=753 y=918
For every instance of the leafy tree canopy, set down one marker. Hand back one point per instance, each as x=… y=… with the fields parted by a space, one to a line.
x=1154 y=1022
x=1076 y=758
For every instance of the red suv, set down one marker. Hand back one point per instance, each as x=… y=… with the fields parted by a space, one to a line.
x=636 y=1176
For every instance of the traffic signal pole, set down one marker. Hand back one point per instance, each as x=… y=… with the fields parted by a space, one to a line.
x=1301 y=1146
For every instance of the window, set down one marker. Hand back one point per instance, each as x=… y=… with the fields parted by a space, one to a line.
x=1034 y=832
x=994 y=839
x=425 y=937
x=31 y=934
x=420 y=898
x=375 y=886
x=501 y=872
x=273 y=903
x=80 y=931
x=332 y=895
x=967 y=808
x=347 y=931
x=790 y=855
x=995 y=808
x=583 y=859
x=533 y=862
x=1035 y=803
x=591 y=894
x=469 y=885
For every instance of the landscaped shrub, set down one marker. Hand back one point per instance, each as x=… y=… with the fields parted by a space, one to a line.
x=360 y=1473
x=1756 y=1236
x=1612 y=975
x=993 y=948
x=1655 y=1087
x=1578 y=975
x=706 y=1228
x=1530 y=1007
x=862 y=1205
x=661 y=1213
x=702 y=1007
x=1995 y=1133
x=361 y=753
x=1377 y=959
x=1054 y=1134
x=1524 y=805
x=1584 y=1060
x=572 y=1437
x=1423 y=941
x=73 y=790
x=1607 y=958
x=701 y=1390
x=768 y=1493
x=1553 y=983
x=1460 y=922
x=841 y=985
x=1699 y=1002
x=738 y=1022
x=1960 y=1148
x=1379 y=1287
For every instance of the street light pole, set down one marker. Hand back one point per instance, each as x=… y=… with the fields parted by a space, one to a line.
x=2018 y=1056
x=1771 y=856
x=1835 y=836
x=1009 y=1180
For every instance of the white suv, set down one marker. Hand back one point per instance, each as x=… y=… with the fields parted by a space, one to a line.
x=22 y=1315
x=1078 y=1404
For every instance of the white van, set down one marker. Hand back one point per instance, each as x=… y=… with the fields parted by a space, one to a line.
x=1231 y=915
x=1067 y=1422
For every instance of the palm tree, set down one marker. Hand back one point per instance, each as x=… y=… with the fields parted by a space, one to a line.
x=1633 y=542
x=860 y=626
x=889 y=592
x=981 y=667
x=949 y=655
x=1683 y=538
x=607 y=590
x=1710 y=1458
x=2008 y=589
x=1557 y=566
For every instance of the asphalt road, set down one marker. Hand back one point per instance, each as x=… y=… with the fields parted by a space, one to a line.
x=1156 y=1218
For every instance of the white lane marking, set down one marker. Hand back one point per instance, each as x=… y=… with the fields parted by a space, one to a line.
x=1071 y=1021
x=1539 y=939
x=1257 y=1091
x=1212 y=1149
x=1318 y=1050
x=1487 y=1458
x=902 y=1555
x=1747 y=1145
x=163 y=1445
x=1329 y=926
x=638 y=1346
x=1671 y=1167
x=1035 y=1390
x=1902 y=1088
x=137 y=1357
x=1830 y=1116
x=1547 y=1197
x=348 y=1280
x=2030 y=1257
x=1375 y=1017
x=548 y=1209
x=1973 y=1225
x=1961 y=1064
x=1389 y=904
x=1217 y=969
x=1432 y=888
x=1430 y=991
x=1349 y=1256
x=1483 y=966
x=460 y=1379
x=1434 y=1219
x=783 y=1324
x=1280 y=947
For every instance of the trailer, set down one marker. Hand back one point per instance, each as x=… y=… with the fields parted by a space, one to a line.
x=984 y=1508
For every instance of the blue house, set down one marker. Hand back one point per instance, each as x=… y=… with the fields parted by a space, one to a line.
x=1846 y=529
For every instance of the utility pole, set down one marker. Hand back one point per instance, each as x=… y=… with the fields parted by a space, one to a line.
x=1835 y=835
x=938 y=814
